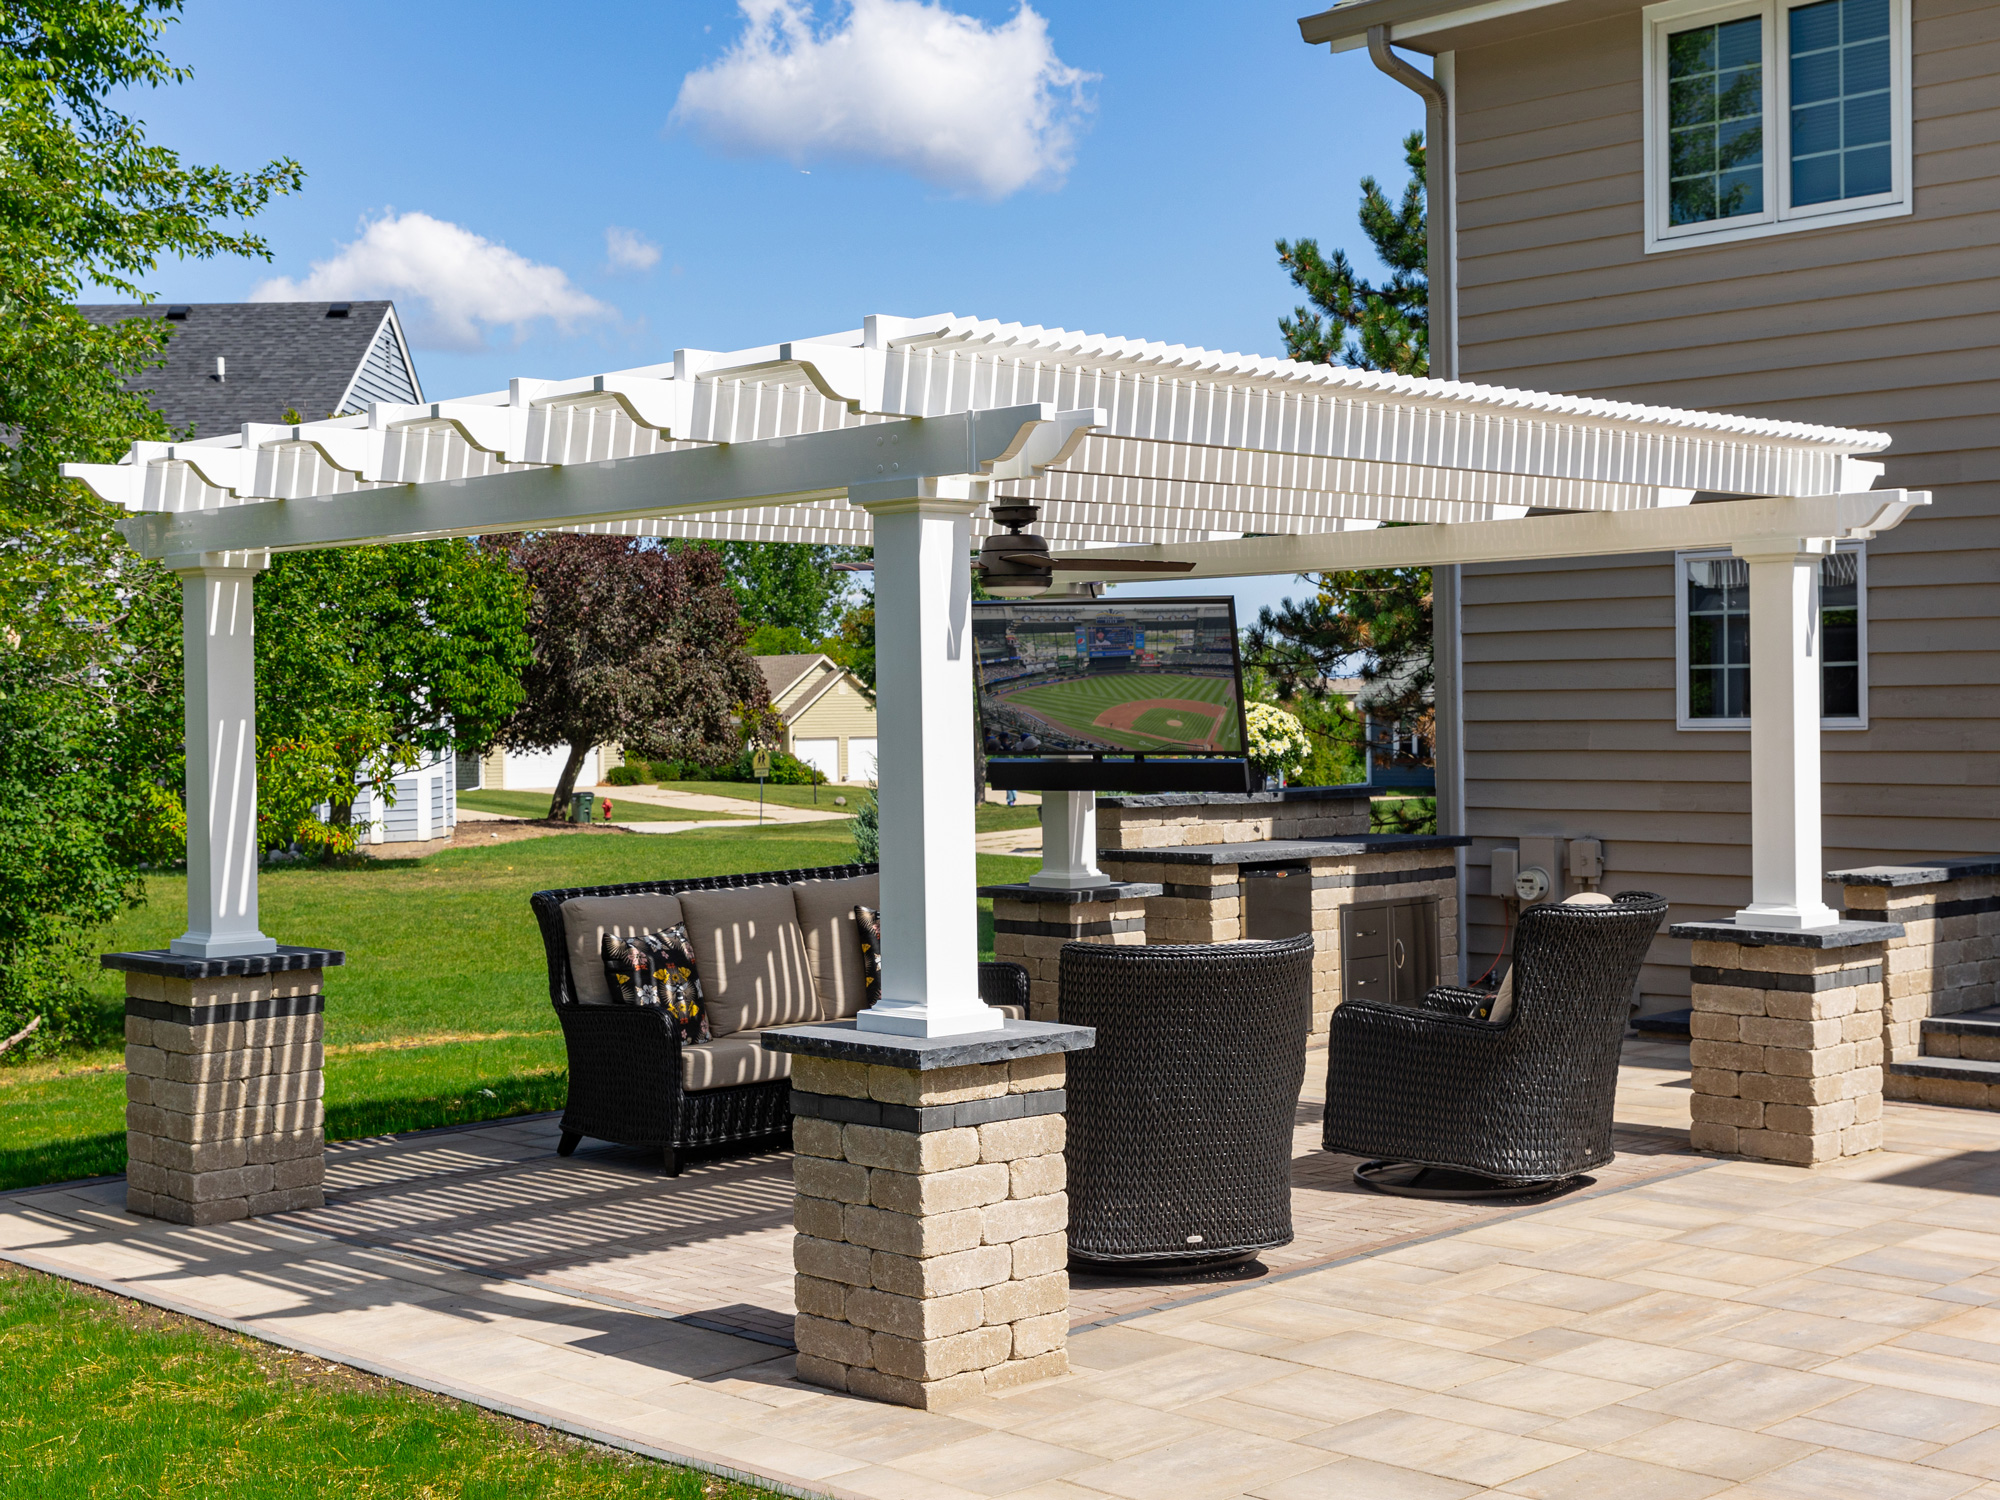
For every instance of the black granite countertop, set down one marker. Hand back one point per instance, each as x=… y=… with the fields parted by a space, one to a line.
x=846 y=1042
x=1839 y=935
x=170 y=965
x=1243 y=799
x=1926 y=872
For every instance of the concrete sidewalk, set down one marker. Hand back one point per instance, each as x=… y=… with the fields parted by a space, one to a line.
x=1713 y=1328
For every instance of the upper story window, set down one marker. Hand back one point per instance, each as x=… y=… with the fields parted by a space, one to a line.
x=1771 y=115
x=1712 y=597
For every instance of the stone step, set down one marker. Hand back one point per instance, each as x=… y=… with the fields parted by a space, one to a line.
x=1966 y=1082
x=1970 y=1069
x=1965 y=1023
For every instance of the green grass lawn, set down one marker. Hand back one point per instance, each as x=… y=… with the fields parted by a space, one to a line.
x=442 y=1013
x=623 y=809
x=100 y=1397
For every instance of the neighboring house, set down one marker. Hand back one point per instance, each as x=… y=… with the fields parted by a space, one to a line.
x=501 y=769
x=228 y=363
x=1788 y=208
x=829 y=720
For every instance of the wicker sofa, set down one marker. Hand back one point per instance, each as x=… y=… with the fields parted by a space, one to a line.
x=772 y=949
x=1517 y=1101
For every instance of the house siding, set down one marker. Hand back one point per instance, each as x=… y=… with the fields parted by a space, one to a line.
x=1891 y=326
x=384 y=374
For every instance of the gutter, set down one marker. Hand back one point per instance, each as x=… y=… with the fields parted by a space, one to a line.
x=1345 y=27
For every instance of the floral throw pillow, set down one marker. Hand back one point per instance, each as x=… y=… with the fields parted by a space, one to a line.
x=870 y=922
x=657 y=969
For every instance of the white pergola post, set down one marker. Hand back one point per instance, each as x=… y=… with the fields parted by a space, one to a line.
x=924 y=761
x=1069 y=843
x=1785 y=862
x=218 y=637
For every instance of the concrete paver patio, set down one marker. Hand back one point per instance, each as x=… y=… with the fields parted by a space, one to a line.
x=1688 y=1327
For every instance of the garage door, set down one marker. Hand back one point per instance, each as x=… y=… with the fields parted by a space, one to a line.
x=822 y=755
x=861 y=759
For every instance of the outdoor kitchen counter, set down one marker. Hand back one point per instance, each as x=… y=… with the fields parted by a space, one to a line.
x=1300 y=884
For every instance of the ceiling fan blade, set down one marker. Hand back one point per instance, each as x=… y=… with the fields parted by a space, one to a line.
x=1121 y=565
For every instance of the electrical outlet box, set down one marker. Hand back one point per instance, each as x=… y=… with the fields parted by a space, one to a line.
x=1506 y=867
x=1545 y=854
x=1586 y=860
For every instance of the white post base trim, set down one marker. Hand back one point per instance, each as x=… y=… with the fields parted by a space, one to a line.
x=1069 y=843
x=1788 y=918
x=192 y=946
x=929 y=1020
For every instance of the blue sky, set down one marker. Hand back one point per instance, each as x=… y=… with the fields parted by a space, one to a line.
x=1207 y=132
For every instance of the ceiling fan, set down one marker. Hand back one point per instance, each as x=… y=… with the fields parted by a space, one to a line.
x=1015 y=564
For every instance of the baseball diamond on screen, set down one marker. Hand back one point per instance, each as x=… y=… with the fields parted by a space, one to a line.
x=1099 y=676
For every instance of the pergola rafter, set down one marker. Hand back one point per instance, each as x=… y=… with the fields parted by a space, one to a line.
x=896 y=435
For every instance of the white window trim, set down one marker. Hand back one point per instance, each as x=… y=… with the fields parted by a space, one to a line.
x=1779 y=217
x=1682 y=720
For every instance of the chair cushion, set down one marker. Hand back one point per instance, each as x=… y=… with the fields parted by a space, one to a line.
x=588 y=920
x=731 y=1060
x=833 y=942
x=751 y=957
x=1503 y=1000
x=657 y=969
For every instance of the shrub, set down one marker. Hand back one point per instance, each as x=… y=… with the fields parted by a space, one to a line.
x=867 y=829
x=632 y=773
x=786 y=770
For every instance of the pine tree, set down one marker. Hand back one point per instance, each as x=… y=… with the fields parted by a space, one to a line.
x=1379 y=619
x=1369 y=327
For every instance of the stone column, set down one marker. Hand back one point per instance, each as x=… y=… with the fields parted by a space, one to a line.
x=223 y=1083
x=1948 y=959
x=1031 y=924
x=1787 y=1039
x=932 y=1249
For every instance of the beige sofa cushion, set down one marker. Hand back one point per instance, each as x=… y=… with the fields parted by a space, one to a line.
x=585 y=921
x=833 y=938
x=730 y=1060
x=751 y=957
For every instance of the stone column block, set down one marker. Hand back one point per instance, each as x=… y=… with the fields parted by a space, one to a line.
x=932 y=1225
x=1031 y=924
x=223 y=1083
x=1787 y=1039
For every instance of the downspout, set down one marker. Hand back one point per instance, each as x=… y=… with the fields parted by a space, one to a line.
x=1447 y=633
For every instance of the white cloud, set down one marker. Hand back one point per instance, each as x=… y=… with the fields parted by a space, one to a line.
x=455 y=285
x=980 y=109
x=630 y=250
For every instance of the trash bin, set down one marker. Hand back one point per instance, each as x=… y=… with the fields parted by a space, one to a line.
x=579 y=806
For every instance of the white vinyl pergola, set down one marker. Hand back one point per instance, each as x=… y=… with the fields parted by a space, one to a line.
x=897 y=435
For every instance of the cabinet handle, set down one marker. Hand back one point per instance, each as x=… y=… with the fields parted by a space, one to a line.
x=1399 y=953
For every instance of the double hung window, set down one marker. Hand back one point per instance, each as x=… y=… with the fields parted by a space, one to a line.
x=1769 y=115
x=1712 y=597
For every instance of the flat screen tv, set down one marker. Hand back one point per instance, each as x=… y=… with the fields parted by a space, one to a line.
x=1110 y=694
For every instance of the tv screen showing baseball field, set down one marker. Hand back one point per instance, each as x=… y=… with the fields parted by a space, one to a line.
x=1102 y=676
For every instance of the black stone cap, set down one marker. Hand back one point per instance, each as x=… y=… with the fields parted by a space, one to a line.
x=843 y=1041
x=1283 y=851
x=170 y=965
x=1118 y=890
x=1935 y=872
x=1353 y=793
x=1839 y=935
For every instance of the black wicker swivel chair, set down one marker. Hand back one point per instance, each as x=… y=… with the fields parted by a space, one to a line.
x=1181 y=1115
x=1458 y=1106
x=625 y=1062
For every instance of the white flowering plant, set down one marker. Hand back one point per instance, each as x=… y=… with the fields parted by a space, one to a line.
x=1277 y=741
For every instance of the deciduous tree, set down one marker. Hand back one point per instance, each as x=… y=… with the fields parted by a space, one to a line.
x=633 y=643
